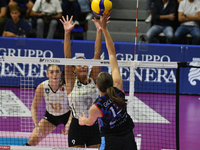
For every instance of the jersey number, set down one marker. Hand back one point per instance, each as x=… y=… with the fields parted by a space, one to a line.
x=113 y=111
x=56 y=106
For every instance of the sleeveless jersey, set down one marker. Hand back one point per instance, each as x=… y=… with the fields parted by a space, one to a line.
x=82 y=97
x=56 y=102
x=114 y=121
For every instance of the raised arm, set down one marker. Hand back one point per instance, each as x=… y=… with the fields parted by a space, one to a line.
x=69 y=76
x=97 y=51
x=117 y=79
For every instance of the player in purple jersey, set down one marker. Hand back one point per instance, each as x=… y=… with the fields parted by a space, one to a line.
x=110 y=108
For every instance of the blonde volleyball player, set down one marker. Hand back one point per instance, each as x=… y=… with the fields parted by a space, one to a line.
x=110 y=108
x=57 y=106
x=82 y=91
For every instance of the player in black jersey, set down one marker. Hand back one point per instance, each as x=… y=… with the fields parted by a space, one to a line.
x=110 y=108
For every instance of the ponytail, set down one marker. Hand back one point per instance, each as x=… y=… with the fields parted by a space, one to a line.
x=105 y=84
x=116 y=99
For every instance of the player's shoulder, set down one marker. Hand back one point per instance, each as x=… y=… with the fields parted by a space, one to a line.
x=46 y=82
x=40 y=86
x=43 y=84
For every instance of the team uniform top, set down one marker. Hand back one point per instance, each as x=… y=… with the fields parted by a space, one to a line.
x=56 y=102
x=82 y=97
x=114 y=121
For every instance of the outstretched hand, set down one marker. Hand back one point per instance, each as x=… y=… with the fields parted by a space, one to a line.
x=67 y=24
x=100 y=24
x=97 y=23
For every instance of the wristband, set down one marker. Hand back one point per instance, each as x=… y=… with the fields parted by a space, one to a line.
x=185 y=15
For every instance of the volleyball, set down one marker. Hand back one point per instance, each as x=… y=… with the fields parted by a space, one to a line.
x=101 y=7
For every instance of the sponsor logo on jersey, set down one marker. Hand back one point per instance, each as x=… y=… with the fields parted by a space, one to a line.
x=88 y=81
x=79 y=84
x=47 y=90
x=62 y=89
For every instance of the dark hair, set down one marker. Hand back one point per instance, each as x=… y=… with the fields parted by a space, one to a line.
x=62 y=77
x=105 y=84
x=78 y=57
x=49 y=65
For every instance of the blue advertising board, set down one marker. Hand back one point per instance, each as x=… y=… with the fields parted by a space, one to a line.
x=28 y=47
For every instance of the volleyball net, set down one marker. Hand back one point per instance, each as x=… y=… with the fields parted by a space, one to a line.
x=150 y=88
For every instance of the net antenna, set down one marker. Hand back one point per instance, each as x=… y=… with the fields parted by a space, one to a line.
x=136 y=23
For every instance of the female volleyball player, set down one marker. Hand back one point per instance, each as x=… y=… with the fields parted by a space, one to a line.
x=82 y=91
x=110 y=107
x=57 y=106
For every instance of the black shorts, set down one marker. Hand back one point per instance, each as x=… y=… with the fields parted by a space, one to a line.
x=21 y=2
x=125 y=142
x=83 y=135
x=56 y=120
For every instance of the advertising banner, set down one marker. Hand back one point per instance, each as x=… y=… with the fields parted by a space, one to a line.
x=43 y=48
